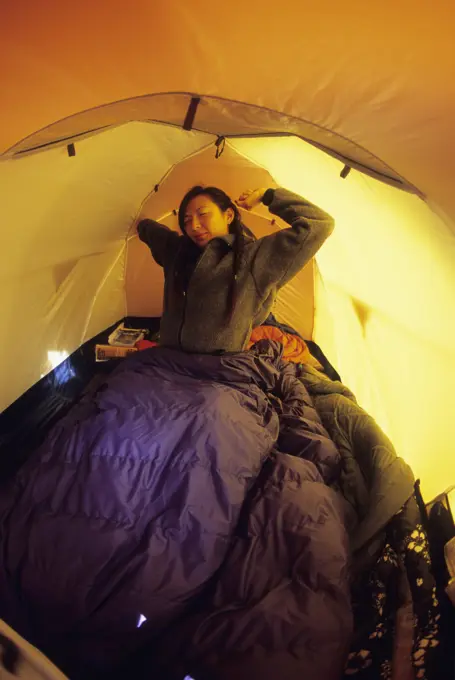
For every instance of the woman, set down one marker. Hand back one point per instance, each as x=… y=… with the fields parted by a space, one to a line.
x=220 y=282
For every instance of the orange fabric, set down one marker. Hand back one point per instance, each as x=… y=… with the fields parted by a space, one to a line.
x=294 y=348
x=145 y=344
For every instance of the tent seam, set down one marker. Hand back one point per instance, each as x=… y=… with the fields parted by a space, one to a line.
x=233 y=101
x=98 y=291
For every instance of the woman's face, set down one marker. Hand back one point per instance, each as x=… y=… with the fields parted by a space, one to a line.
x=204 y=220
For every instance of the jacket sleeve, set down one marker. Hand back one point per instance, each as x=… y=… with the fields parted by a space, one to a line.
x=282 y=255
x=161 y=240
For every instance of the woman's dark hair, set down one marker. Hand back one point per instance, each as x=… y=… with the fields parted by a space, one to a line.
x=237 y=228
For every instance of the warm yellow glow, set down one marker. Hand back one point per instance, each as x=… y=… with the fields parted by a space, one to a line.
x=384 y=299
x=63 y=266
x=55 y=358
x=385 y=305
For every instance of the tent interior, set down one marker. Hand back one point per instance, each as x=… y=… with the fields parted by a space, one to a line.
x=111 y=116
x=384 y=283
x=376 y=300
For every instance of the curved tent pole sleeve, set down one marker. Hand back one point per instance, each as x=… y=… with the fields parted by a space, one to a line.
x=163 y=178
x=159 y=219
x=163 y=217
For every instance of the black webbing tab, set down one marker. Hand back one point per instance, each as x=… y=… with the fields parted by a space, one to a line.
x=220 y=144
x=191 y=113
x=71 y=150
x=345 y=172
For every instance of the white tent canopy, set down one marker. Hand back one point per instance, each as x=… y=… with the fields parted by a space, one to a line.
x=361 y=92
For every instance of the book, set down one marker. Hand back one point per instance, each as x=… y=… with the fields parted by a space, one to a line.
x=126 y=337
x=106 y=352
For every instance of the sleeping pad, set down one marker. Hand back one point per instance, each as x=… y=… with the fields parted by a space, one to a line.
x=184 y=483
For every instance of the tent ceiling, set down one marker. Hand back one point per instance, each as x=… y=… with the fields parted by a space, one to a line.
x=378 y=74
x=219 y=117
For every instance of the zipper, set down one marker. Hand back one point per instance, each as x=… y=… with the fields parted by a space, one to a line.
x=185 y=296
x=183 y=321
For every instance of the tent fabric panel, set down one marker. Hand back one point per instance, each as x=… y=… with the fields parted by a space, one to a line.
x=166 y=108
x=109 y=301
x=235 y=118
x=56 y=320
x=33 y=664
x=66 y=223
x=404 y=381
x=352 y=353
x=415 y=379
x=23 y=355
x=219 y=117
x=295 y=302
x=232 y=172
x=387 y=272
x=380 y=76
x=144 y=283
x=388 y=250
x=83 y=204
x=323 y=322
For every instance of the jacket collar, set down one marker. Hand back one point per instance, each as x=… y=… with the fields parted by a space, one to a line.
x=228 y=239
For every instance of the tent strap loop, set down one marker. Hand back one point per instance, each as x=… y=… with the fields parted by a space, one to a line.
x=220 y=144
x=191 y=113
x=345 y=172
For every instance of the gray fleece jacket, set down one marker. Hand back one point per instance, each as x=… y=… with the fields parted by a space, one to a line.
x=194 y=320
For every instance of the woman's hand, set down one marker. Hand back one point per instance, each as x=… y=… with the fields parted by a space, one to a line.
x=250 y=199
